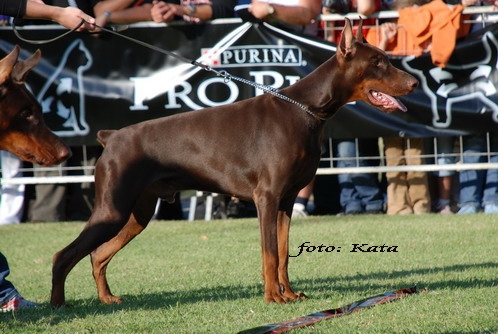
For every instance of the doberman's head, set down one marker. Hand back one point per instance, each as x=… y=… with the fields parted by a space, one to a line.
x=369 y=74
x=22 y=129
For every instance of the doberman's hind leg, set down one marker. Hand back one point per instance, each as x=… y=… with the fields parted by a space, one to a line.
x=95 y=233
x=283 y=226
x=101 y=256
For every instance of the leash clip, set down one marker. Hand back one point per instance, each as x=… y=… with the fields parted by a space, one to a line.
x=201 y=65
x=226 y=76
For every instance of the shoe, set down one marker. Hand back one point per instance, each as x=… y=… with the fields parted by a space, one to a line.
x=491 y=208
x=467 y=209
x=445 y=210
x=18 y=303
x=299 y=211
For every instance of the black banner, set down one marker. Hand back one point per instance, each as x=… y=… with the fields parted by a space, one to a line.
x=86 y=83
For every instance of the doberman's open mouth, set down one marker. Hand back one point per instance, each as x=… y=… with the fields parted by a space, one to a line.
x=386 y=101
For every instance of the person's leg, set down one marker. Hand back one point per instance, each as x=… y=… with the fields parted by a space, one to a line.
x=490 y=193
x=12 y=198
x=50 y=202
x=471 y=181
x=366 y=184
x=418 y=186
x=397 y=189
x=300 y=205
x=445 y=149
x=349 y=198
x=7 y=289
x=10 y=299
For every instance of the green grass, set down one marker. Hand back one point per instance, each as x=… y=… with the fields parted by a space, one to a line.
x=205 y=277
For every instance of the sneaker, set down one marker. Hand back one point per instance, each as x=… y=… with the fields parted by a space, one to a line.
x=491 y=208
x=467 y=208
x=445 y=210
x=18 y=303
x=299 y=211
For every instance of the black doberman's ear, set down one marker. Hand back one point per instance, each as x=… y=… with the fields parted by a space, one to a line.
x=346 y=43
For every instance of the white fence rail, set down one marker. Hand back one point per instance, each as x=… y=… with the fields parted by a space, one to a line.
x=327 y=165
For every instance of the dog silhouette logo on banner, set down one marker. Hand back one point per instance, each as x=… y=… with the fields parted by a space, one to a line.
x=464 y=85
x=63 y=95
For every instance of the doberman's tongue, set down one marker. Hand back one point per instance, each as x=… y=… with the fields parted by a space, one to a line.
x=386 y=101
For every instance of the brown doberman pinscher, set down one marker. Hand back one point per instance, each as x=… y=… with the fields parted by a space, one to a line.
x=263 y=149
x=22 y=129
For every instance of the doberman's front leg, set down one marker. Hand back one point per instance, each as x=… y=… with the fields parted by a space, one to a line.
x=267 y=213
x=283 y=226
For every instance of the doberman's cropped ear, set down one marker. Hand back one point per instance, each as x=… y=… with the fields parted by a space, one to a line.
x=345 y=49
x=7 y=64
x=22 y=68
x=359 y=32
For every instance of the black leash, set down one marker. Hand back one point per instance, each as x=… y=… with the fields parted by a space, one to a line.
x=46 y=41
x=224 y=74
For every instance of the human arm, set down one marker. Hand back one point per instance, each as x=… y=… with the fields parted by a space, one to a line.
x=68 y=17
x=103 y=6
x=165 y=12
x=302 y=14
x=366 y=7
x=128 y=15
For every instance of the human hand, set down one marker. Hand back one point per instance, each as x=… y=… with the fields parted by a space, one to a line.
x=71 y=17
x=164 y=12
x=388 y=30
x=259 y=9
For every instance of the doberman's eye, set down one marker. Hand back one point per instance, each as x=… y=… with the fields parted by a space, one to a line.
x=26 y=113
x=375 y=61
x=379 y=61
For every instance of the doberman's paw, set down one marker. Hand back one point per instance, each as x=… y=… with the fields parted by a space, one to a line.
x=276 y=298
x=110 y=299
x=284 y=298
x=295 y=296
x=301 y=296
x=57 y=300
x=60 y=305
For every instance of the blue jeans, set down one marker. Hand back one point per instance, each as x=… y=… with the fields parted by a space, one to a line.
x=358 y=192
x=479 y=187
x=6 y=288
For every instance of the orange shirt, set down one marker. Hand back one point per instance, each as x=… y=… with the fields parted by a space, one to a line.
x=434 y=26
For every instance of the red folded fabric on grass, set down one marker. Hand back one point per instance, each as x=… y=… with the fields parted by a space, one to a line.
x=313 y=318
